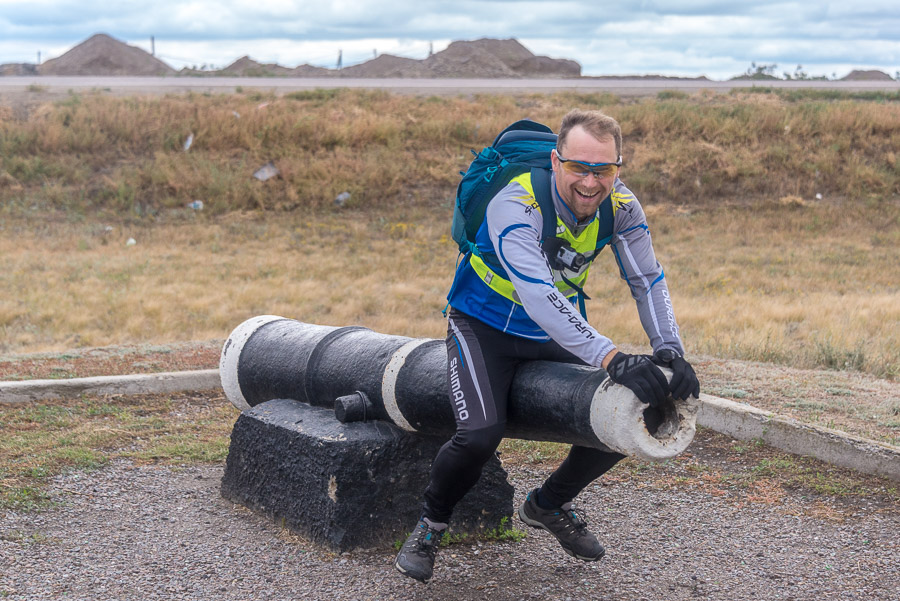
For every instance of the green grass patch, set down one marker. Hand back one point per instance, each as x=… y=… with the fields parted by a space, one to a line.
x=827 y=484
x=505 y=532
x=185 y=448
x=795 y=472
x=735 y=393
x=672 y=95
x=833 y=356
x=771 y=467
x=806 y=405
x=42 y=440
x=77 y=457
x=748 y=445
x=534 y=452
x=318 y=95
x=21 y=538
x=835 y=391
x=47 y=416
x=24 y=498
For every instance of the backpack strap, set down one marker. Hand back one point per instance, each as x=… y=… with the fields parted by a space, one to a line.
x=605 y=231
x=540 y=183
x=540 y=180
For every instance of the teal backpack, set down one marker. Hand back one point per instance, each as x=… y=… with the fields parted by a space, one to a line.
x=523 y=146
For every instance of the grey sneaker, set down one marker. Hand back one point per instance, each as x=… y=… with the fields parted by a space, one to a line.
x=416 y=557
x=566 y=525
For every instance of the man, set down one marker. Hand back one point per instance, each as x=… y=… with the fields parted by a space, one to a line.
x=521 y=310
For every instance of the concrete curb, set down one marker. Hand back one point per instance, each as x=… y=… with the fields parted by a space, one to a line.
x=745 y=422
x=738 y=420
x=161 y=383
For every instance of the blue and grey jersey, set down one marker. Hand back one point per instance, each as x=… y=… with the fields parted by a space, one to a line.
x=512 y=230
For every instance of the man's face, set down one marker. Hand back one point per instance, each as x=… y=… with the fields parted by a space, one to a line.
x=583 y=194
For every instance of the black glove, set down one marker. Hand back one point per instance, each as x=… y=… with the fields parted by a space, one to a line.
x=639 y=374
x=684 y=381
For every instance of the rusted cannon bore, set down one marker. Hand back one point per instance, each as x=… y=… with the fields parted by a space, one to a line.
x=365 y=375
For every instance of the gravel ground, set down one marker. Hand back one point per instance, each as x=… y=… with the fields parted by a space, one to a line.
x=150 y=532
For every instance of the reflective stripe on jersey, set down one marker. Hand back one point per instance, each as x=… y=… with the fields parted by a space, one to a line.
x=584 y=243
x=508 y=285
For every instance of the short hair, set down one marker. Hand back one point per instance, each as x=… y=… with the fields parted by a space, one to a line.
x=597 y=124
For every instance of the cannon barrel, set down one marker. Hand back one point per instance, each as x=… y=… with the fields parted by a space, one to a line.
x=404 y=381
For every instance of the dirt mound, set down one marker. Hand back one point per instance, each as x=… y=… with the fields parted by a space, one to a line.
x=484 y=58
x=510 y=51
x=497 y=58
x=192 y=72
x=387 y=65
x=247 y=67
x=311 y=71
x=873 y=75
x=103 y=55
x=463 y=59
x=544 y=66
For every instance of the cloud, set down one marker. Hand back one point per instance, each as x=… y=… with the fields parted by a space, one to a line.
x=683 y=37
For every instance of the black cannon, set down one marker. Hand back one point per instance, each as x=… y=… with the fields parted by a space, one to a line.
x=339 y=426
x=364 y=374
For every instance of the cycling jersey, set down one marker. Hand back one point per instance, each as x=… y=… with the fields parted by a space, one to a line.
x=510 y=237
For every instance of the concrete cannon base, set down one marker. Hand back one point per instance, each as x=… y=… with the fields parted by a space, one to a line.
x=345 y=486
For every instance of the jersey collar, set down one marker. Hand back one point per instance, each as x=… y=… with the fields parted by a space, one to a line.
x=564 y=212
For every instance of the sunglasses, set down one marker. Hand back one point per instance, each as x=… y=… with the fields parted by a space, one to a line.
x=582 y=169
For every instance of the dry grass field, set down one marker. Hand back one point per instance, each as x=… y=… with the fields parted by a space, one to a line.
x=807 y=286
x=125 y=156
x=759 y=267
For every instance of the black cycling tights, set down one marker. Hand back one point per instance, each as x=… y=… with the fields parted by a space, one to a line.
x=481 y=364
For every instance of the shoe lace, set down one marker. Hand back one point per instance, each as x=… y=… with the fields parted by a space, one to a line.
x=576 y=518
x=570 y=520
x=427 y=540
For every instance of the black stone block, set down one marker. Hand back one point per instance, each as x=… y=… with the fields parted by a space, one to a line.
x=345 y=486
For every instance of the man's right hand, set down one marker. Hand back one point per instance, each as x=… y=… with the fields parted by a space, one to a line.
x=641 y=376
x=684 y=380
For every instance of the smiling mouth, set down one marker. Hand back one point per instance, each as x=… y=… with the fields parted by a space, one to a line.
x=585 y=195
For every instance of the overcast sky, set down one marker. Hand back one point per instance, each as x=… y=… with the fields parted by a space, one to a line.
x=718 y=39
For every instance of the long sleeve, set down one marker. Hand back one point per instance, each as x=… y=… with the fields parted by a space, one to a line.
x=633 y=249
x=514 y=223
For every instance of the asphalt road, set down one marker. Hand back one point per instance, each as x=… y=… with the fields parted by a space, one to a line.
x=624 y=87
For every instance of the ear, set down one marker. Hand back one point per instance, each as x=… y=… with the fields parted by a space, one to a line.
x=554 y=160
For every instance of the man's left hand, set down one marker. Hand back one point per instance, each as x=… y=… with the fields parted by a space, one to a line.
x=684 y=381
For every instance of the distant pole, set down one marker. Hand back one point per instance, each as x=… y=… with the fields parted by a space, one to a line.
x=39 y=57
x=340 y=59
x=152 y=45
x=374 y=53
x=430 y=48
